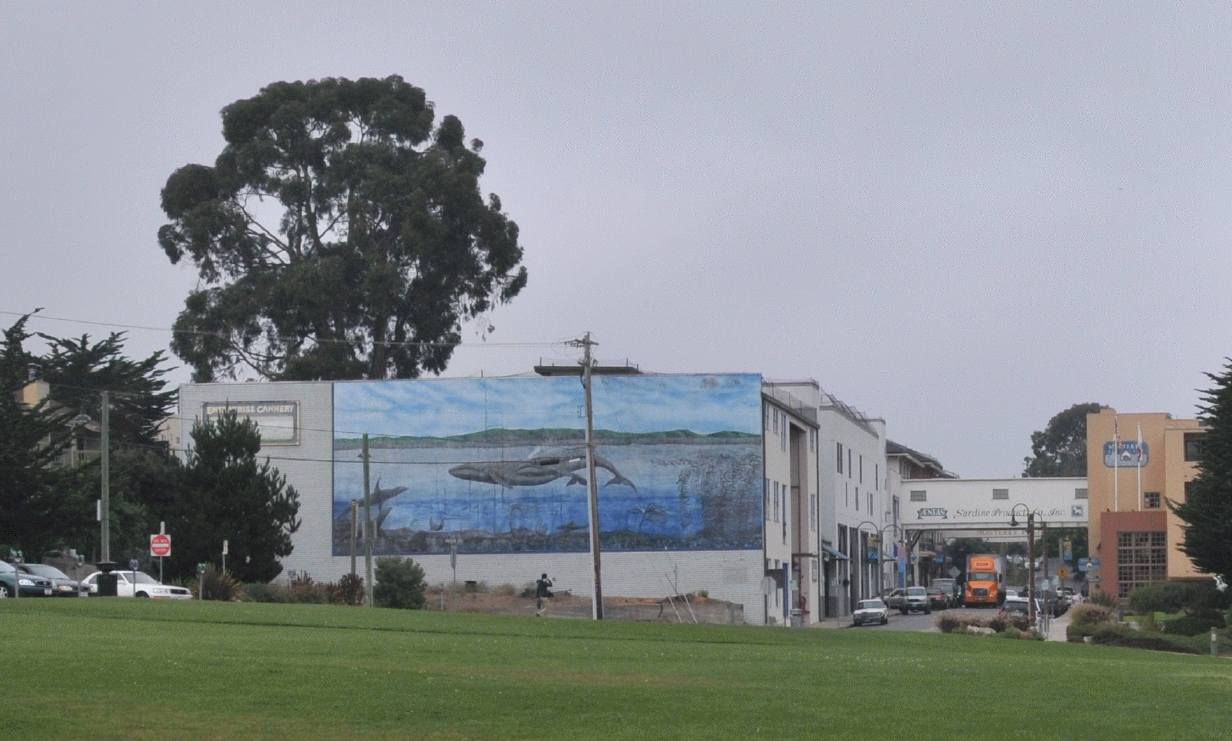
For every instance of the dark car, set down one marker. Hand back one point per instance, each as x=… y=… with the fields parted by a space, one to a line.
x=937 y=598
x=61 y=584
x=29 y=585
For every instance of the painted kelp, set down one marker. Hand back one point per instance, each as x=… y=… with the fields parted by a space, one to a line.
x=498 y=465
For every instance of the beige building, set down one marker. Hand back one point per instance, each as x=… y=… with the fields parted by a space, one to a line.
x=1132 y=531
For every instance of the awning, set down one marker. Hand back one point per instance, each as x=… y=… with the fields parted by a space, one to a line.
x=834 y=553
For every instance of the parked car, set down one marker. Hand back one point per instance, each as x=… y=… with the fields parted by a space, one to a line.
x=916 y=599
x=896 y=599
x=22 y=585
x=61 y=584
x=951 y=590
x=144 y=586
x=870 y=611
x=937 y=598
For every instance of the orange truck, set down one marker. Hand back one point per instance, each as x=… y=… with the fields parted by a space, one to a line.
x=985 y=581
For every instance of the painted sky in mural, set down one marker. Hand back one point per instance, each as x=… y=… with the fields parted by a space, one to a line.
x=498 y=465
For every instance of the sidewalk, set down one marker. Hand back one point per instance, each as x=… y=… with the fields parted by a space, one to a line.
x=1056 y=628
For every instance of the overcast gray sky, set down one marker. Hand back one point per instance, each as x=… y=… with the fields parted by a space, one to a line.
x=960 y=219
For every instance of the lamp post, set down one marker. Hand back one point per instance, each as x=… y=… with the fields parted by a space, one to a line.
x=880 y=531
x=1030 y=556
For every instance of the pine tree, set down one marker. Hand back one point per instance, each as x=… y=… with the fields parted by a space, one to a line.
x=1207 y=509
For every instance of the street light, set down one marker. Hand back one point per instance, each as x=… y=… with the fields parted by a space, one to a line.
x=104 y=509
x=880 y=531
x=1030 y=556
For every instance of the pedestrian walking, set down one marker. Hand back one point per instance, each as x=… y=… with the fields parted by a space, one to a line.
x=543 y=594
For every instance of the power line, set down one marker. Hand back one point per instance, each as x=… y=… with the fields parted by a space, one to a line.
x=226 y=336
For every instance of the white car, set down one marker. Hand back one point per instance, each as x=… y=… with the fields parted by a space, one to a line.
x=870 y=611
x=144 y=586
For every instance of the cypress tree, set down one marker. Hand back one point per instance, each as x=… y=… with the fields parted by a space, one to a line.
x=1207 y=508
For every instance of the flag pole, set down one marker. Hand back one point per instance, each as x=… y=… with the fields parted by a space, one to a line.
x=1139 y=468
x=1116 y=465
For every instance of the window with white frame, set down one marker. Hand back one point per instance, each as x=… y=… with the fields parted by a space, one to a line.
x=776 y=501
x=1000 y=493
x=919 y=495
x=1080 y=493
x=840 y=456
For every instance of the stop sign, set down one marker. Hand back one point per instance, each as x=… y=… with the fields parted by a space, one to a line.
x=160 y=545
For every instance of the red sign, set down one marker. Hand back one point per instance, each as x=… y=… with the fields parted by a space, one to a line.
x=160 y=545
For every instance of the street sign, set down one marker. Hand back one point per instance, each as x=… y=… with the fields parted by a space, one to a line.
x=1084 y=564
x=954 y=572
x=1062 y=572
x=1068 y=551
x=160 y=545
x=1094 y=563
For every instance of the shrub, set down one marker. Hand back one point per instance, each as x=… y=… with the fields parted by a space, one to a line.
x=1192 y=625
x=1116 y=635
x=948 y=623
x=506 y=590
x=221 y=586
x=350 y=590
x=399 y=583
x=1088 y=614
x=262 y=592
x=1102 y=599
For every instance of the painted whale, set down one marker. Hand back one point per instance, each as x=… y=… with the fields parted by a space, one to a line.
x=536 y=471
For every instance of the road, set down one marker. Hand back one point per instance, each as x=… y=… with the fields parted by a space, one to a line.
x=919 y=622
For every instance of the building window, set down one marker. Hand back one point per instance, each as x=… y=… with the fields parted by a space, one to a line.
x=877 y=476
x=776 y=501
x=1080 y=493
x=765 y=417
x=1000 y=493
x=765 y=495
x=919 y=496
x=1142 y=558
x=776 y=421
x=813 y=512
x=1150 y=500
x=786 y=434
x=812 y=441
x=840 y=457
x=1193 y=445
x=870 y=503
x=850 y=473
x=861 y=469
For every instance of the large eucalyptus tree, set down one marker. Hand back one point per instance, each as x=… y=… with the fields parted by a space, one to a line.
x=340 y=233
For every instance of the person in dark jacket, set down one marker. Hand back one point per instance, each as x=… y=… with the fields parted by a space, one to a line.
x=543 y=593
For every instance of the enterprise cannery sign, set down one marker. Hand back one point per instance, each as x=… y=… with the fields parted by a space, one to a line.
x=278 y=421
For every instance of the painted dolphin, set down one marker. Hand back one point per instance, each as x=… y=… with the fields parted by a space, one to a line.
x=536 y=471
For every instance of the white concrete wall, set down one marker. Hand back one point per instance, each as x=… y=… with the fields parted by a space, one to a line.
x=308 y=464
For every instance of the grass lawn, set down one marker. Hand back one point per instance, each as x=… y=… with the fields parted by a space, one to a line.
x=136 y=669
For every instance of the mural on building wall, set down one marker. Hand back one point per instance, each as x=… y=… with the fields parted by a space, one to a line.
x=499 y=465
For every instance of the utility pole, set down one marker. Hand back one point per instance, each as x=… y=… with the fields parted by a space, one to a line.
x=105 y=462
x=367 y=528
x=592 y=489
x=354 y=524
